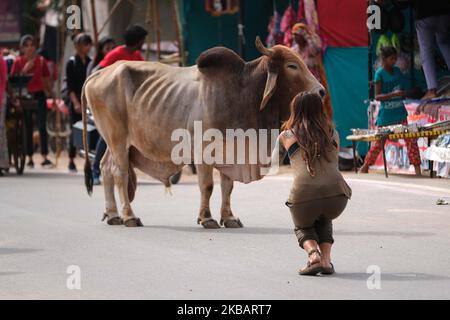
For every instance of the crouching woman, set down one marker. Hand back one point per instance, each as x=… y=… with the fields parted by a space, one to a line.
x=319 y=193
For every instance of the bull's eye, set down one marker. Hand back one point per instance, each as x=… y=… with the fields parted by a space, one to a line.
x=292 y=66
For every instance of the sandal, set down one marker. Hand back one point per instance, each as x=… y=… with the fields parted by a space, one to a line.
x=328 y=271
x=312 y=269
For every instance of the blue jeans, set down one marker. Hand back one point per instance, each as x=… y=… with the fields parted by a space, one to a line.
x=100 y=150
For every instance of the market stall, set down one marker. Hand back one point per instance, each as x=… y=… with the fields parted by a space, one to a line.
x=397 y=133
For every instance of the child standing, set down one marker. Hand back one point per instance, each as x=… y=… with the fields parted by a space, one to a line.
x=389 y=91
x=76 y=71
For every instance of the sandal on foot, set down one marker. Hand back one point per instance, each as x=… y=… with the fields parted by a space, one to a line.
x=312 y=269
x=328 y=271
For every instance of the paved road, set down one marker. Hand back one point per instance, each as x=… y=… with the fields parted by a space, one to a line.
x=49 y=223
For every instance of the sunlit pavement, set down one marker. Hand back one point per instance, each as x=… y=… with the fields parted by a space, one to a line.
x=51 y=227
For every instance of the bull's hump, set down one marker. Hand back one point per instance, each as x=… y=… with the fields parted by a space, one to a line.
x=219 y=59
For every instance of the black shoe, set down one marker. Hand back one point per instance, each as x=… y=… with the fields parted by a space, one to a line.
x=30 y=164
x=72 y=167
x=47 y=163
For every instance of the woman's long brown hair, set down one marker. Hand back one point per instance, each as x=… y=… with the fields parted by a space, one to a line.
x=311 y=127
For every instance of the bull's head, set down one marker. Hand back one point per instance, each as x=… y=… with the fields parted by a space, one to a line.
x=286 y=72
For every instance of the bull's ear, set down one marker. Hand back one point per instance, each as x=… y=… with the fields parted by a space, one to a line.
x=271 y=85
x=219 y=59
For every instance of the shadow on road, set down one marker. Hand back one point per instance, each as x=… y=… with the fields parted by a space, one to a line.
x=44 y=175
x=249 y=230
x=401 y=276
x=287 y=231
x=10 y=273
x=17 y=250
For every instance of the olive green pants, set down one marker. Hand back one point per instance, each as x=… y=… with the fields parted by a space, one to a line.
x=313 y=219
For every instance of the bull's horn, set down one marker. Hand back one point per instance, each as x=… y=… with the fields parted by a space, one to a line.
x=261 y=48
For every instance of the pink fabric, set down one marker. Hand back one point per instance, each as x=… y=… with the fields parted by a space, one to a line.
x=343 y=22
x=287 y=22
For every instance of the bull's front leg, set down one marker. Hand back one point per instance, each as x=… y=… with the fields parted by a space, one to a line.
x=206 y=184
x=227 y=218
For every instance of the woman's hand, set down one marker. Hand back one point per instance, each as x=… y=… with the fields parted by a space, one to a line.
x=399 y=93
x=77 y=107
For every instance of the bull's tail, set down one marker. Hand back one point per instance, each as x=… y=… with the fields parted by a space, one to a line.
x=88 y=176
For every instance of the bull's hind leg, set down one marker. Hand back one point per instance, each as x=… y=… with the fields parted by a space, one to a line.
x=111 y=213
x=227 y=217
x=206 y=184
x=121 y=178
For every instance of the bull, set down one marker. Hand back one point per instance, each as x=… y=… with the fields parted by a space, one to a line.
x=137 y=106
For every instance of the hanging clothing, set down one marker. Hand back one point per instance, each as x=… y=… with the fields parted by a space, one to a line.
x=287 y=21
x=311 y=54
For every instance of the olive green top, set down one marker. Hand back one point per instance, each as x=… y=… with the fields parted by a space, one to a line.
x=327 y=181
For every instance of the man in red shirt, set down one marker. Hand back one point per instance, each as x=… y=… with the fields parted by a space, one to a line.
x=134 y=39
x=33 y=64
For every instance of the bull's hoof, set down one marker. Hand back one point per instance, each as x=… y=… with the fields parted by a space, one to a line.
x=231 y=223
x=133 y=223
x=113 y=221
x=116 y=221
x=209 y=223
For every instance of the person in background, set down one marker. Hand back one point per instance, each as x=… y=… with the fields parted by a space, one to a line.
x=319 y=193
x=308 y=45
x=389 y=91
x=76 y=72
x=134 y=39
x=104 y=46
x=31 y=63
x=4 y=159
x=433 y=27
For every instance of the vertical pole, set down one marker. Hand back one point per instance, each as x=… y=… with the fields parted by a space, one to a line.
x=156 y=21
x=94 y=22
x=176 y=20
x=412 y=33
x=430 y=162
x=383 y=142
x=148 y=24
x=61 y=36
x=355 y=163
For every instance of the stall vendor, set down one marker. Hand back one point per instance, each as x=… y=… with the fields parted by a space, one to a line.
x=389 y=91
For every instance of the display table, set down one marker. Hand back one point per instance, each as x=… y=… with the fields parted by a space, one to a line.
x=393 y=136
